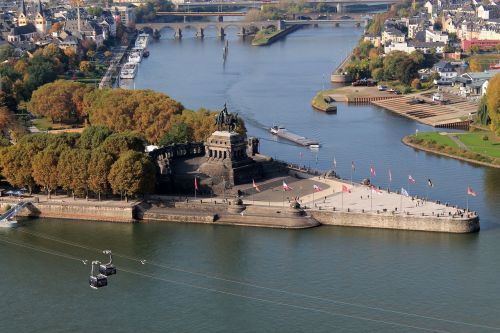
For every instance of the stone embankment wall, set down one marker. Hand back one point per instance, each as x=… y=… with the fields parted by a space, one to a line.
x=388 y=221
x=77 y=212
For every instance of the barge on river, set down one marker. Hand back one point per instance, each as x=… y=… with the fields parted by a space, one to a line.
x=282 y=132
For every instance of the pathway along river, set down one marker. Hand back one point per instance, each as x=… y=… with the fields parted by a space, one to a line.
x=233 y=279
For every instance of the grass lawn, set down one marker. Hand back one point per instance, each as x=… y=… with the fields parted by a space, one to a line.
x=319 y=100
x=475 y=143
x=45 y=124
x=437 y=138
x=262 y=37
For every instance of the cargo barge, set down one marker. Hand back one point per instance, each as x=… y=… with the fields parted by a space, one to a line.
x=282 y=132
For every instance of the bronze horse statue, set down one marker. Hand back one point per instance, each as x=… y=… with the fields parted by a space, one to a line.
x=225 y=120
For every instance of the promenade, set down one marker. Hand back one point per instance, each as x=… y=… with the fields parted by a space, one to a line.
x=359 y=198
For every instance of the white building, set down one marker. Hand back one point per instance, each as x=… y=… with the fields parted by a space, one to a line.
x=436 y=36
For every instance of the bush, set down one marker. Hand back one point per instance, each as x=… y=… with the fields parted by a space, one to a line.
x=416 y=84
x=485 y=138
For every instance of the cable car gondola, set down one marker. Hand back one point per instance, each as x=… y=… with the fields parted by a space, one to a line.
x=108 y=269
x=99 y=280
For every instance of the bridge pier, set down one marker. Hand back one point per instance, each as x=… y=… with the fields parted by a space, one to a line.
x=337 y=24
x=221 y=32
x=220 y=18
x=178 y=33
x=243 y=31
x=200 y=33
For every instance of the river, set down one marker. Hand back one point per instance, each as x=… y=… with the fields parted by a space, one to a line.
x=200 y=278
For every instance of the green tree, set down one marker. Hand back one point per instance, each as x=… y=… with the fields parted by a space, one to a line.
x=95 y=11
x=132 y=174
x=378 y=74
x=98 y=170
x=119 y=143
x=482 y=113
x=72 y=169
x=6 y=52
x=93 y=136
x=39 y=71
x=178 y=133
x=45 y=171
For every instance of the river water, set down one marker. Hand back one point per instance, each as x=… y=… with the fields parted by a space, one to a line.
x=200 y=278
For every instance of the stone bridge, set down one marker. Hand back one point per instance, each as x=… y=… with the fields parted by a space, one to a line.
x=243 y=27
x=200 y=27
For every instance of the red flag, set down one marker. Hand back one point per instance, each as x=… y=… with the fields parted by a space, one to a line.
x=411 y=180
x=316 y=188
x=195 y=184
x=345 y=189
x=255 y=186
x=376 y=190
x=286 y=187
x=471 y=192
x=372 y=171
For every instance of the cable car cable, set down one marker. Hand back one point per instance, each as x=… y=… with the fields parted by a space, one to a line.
x=47 y=251
x=249 y=284
x=56 y=253
x=284 y=304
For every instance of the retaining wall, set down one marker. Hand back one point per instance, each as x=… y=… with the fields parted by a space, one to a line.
x=77 y=212
x=401 y=222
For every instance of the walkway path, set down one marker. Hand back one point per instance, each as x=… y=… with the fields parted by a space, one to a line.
x=457 y=141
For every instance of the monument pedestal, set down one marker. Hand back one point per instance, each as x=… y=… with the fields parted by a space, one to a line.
x=227 y=160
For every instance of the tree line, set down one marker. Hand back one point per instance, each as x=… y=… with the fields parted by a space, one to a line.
x=98 y=161
x=158 y=117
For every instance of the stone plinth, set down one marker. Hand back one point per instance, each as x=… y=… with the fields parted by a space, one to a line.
x=227 y=159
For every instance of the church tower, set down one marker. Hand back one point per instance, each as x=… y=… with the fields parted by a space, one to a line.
x=40 y=22
x=22 y=18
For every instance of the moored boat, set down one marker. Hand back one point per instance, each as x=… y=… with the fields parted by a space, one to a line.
x=135 y=55
x=129 y=70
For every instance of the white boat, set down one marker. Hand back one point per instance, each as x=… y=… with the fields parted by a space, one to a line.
x=8 y=219
x=135 y=55
x=142 y=41
x=129 y=70
x=8 y=223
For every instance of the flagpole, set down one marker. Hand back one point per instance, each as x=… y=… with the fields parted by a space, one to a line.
x=467 y=198
x=283 y=196
x=390 y=180
x=342 y=199
x=401 y=203
x=371 y=199
x=313 y=197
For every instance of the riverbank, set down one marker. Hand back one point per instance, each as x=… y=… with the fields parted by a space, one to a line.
x=267 y=37
x=448 y=147
x=322 y=200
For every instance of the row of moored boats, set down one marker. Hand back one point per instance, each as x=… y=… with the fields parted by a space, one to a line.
x=139 y=51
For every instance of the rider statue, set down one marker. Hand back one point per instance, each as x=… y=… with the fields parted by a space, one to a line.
x=225 y=120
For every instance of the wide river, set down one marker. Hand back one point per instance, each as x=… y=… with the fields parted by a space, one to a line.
x=200 y=278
